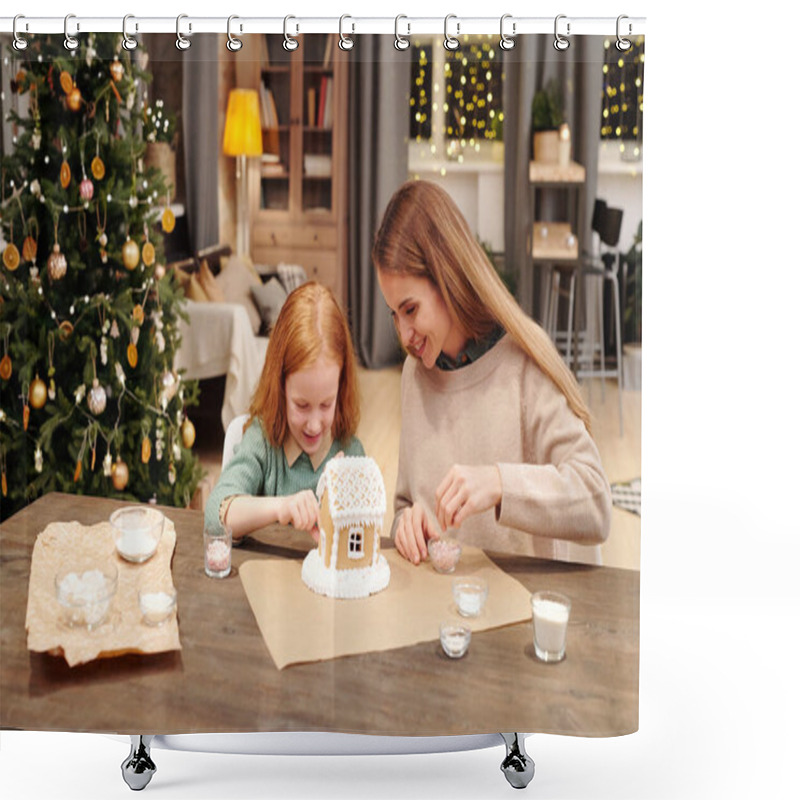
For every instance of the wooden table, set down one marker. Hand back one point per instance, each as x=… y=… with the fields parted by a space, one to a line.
x=224 y=679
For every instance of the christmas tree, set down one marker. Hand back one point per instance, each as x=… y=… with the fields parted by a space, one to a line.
x=89 y=400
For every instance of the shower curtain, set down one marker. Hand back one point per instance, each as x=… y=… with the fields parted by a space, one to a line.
x=338 y=131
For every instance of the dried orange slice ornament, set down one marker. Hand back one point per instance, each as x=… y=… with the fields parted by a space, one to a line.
x=65 y=174
x=11 y=257
x=168 y=220
x=66 y=82
x=138 y=314
x=29 y=248
x=98 y=168
x=5 y=367
x=133 y=355
x=148 y=254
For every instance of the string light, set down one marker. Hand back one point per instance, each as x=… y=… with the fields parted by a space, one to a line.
x=623 y=92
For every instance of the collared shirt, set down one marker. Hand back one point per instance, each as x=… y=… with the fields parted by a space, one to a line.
x=472 y=352
x=293 y=451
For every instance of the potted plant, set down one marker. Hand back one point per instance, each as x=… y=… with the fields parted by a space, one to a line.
x=547 y=116
x=160 y=132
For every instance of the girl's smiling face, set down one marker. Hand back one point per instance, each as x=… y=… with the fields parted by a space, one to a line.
x=421 y=317
x=311 y=403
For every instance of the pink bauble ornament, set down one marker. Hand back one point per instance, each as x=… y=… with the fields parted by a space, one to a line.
x=86 y=189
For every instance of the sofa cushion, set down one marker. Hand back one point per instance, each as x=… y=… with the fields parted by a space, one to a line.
x=209 y=284
x=235 y=280
x=269 y=298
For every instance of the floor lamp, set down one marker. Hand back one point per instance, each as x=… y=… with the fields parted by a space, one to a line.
x=242 y=139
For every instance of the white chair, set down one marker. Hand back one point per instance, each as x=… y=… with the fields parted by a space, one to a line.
x=233 y=435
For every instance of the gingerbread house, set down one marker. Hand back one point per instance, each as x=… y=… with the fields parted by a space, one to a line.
x=347 y=561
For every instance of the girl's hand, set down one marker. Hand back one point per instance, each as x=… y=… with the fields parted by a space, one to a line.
x=300 y=510
x=466 y=491
x=413 y=530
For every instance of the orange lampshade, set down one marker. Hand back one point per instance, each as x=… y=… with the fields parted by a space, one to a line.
x=242 y=124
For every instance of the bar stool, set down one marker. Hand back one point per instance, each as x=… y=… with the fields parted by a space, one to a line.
x=603 y=266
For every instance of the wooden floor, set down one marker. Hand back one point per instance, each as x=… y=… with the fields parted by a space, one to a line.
x=380 y=428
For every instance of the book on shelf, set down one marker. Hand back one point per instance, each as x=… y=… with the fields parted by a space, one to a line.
x=323 y=87
x=326 y=59
x=312 y=103
x=327 y=111
x=269 y=110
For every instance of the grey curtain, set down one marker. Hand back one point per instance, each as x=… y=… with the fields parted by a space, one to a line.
x=528 y=67
x=200 y=140
x=378 y=164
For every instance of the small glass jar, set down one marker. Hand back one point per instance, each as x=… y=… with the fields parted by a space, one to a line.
x=455 y=636
x=470 y=595
x=157 y=605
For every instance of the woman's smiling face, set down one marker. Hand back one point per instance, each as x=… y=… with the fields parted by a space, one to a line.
x=421 y=317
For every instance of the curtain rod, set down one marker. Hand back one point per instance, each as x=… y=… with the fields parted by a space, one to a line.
x=453 y=25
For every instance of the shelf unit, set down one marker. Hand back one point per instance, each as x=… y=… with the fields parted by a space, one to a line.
x=555 y=246
x=299 y=211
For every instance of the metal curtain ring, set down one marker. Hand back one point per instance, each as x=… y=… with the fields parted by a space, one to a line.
x=182 y=43
x=400 y=42
x=623 y=44
x=234 y=44
x=345 y=42
x=561 y=43
x=450 y=42
x=128 y=42
x=288 y=42
x=19 y=43
x=507 y=42
x=70 y=42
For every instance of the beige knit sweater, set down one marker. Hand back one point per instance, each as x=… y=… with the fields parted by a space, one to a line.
x=502 y=410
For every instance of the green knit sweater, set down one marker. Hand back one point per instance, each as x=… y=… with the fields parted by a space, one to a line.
x=258 y=468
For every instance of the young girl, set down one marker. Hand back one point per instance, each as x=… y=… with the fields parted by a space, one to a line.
x=495 y=438
x=304 y=411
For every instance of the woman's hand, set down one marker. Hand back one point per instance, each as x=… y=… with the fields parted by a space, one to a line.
x=413 y=529
x=300 y=510
x=466 y=491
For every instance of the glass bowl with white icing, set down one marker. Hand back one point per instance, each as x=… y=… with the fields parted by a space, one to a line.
x=84 y=591
x=470 y=595
x=137 y=532
x=157 y=604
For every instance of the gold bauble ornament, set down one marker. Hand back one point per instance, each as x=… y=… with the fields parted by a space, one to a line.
x=130 y=255
x=119 y=474
x=187 y=433
x=74 y=99
x=56 y=264
x=148 y=253
x=116 y=69
x=147 y=449
x=65 y=330
x=11 y=257
x=96 y=399
x=37 y=393
x=138 y=314
x=98 y=168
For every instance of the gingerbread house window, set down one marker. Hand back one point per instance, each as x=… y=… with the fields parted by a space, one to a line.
x=355 y=543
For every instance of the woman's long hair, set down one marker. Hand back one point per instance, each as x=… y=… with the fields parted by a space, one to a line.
x=424 y=234
x=310 y=324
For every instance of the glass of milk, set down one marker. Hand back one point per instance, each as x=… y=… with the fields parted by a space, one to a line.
x=550 y=618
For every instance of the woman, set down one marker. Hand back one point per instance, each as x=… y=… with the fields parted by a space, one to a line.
x=495 y=438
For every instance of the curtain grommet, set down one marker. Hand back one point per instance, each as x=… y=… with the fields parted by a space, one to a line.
x=233 y=44
x=19 y=44
x=507 y=42
x=181 y=42
x=561 y=43
x=128 y=42
x=289 y=43
x=345 y=42
x=623 y=45
x=451 y=43
x=401 y=42
x=70 y=42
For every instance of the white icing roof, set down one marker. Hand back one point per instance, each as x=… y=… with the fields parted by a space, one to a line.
x=355 y=489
